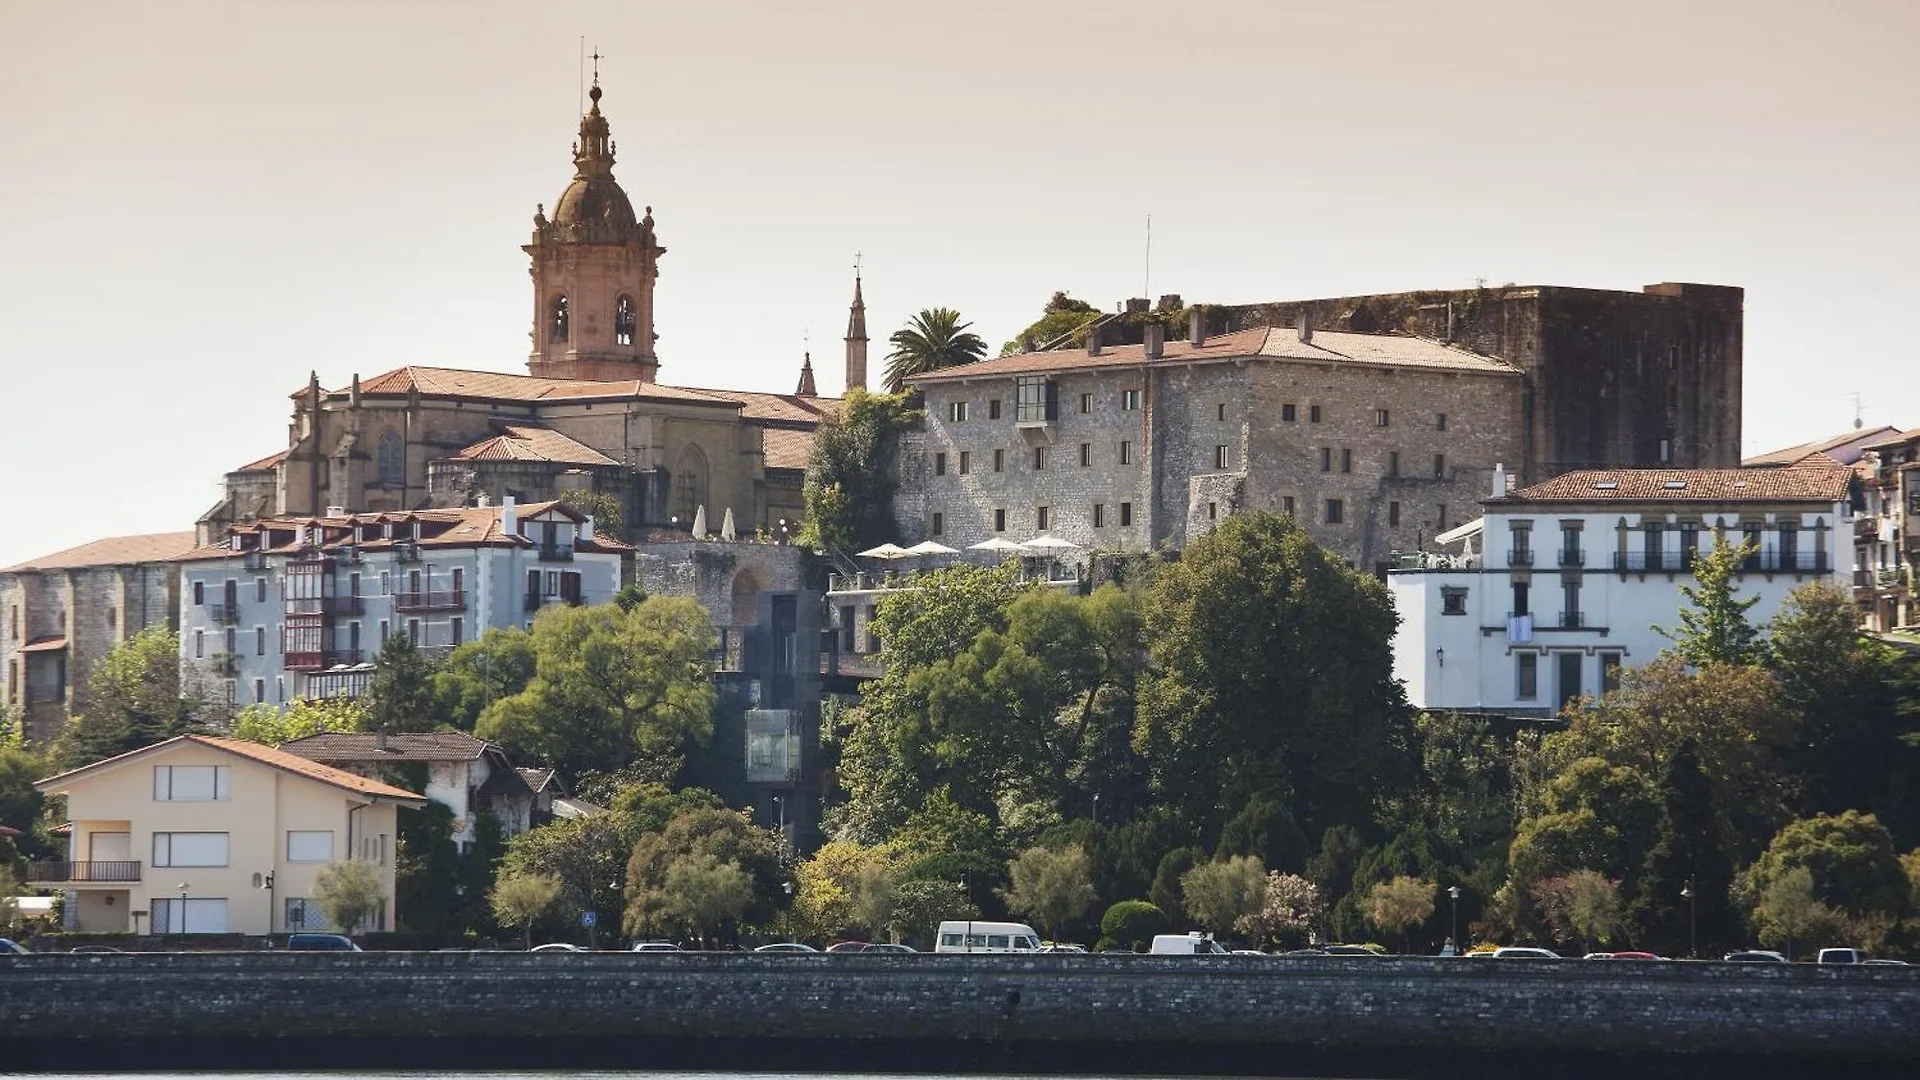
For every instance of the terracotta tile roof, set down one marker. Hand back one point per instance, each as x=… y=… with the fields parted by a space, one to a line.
x=787 y=449
x=266 y=755
x=1816 y=478
x=792 y=408
x=354 y=746
x=499 y=386
x=1845 y=448
x=112 y=551
x=264 y=463
x=539 y=780
x=465 y=526
x=1894 y=441
x=521 y=443
x=1278 y=343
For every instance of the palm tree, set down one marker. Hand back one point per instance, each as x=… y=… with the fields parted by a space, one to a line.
x=932 y=340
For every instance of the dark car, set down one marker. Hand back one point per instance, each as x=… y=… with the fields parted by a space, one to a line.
x=12 y=948
x=321 y=943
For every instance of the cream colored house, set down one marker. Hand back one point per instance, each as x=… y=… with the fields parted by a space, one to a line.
x=203 y=835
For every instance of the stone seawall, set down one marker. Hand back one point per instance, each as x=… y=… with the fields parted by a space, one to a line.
x=1315 y=1016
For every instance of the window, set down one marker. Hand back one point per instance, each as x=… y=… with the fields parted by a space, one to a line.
x=1086 y=403
x=260 y=590
x=1086 y=454
x=1441 y=517
x=1220 y=411
x=386 y=582
x=1222 y=458
x=1099 y=515
x=1040 y=518
x=939 y=464
x=13 y=681
x=232 y=640
x=1126 y=453
x=189 y=915
x=1126 y=514
x=259 y=641
x=1527 y=676
x=199 y=644
x=1326 y=459
x=191 y=783
x=1609 y=671
x=1439 y=466
x=310 y=845
x=1129 y=400
x=966 y=462
x=939 y=526
x=1393 y=515
x=1379 y=418
x=999 y=521
x=353 y=636
x=557 y=330
x=373 y=849
x=190 y=849
x=1439 y=421
x=999 y=460
x=1038 y=400
x=413 y=632
x=391 y=459
x=280 y=689
x=1453 y=601
x=1039 y=458
x=993 y=408
x=1570 y=604
x=386 y=631
x=1289 y=412
x=304 y=914
x=1346 y=460
x=199 y=600
x=1313 y=414
x=457 y=631
x=1213 y=511
x=259 y=691
x=1520 y=598
x=1393 y=463
x=1336 y=511
x=623 y=321
x=1286 y=505
x=1666 y=451
x=957 y=412
x=848 y=642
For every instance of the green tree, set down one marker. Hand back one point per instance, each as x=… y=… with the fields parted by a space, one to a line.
x=588 y=856
x=400 y=696
x=492 y=667
x=828 y=883
x=705 y=896
x=1132 y=924
x=1583 y=907
x=1400 y=905
x=522 y=900
x=602 y=506
x=1064 y=325
x=1714 y=629
x=1219 y=893
x=850 y=481
x=348 y=893
x=426 y=871
x=1053 y=887
x=271 y=725
x=1594 y=816
x=1790 y=912
x=136 y=696
x=20 y=804
x=932 y=340
x=1290 y=908
x=1683 y=894
x=921 y=904
x=9 y=897
x=731 y=840
x=1850 y=858
x=612 y=688
x=1271 y=674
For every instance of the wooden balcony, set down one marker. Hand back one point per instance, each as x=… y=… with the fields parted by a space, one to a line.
x=83 y=873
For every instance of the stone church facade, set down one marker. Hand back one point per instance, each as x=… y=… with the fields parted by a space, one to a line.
x=589 y=415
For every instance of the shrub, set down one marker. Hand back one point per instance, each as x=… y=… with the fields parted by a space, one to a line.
x=1131 y=924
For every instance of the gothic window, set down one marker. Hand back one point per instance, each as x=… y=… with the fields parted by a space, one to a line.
x=623 y=321
x=690 y=485
x=560 y=318
x=391 y=459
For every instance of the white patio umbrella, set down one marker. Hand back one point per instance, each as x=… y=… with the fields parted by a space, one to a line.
x=931 y=547
x=1049 y=545
x=885 y=551
x=700 y=522
x=726 y=526
x=998 y=545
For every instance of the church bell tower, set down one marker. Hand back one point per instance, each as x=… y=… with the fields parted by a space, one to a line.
x=593 y=271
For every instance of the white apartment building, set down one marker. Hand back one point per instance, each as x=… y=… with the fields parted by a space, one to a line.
x=1561 y=584
x=290 y=608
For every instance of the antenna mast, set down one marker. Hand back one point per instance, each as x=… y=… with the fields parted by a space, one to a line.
x=1146 y=287
x=581 y=105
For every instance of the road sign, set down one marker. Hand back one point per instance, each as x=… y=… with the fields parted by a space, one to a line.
x=588 y=919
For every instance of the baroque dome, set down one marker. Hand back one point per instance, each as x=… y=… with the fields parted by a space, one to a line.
x=594 y=200
x=594 y=207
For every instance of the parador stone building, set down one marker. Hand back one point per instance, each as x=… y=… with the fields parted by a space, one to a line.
x=590 y=413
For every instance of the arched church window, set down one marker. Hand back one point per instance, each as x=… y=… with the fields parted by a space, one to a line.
x=623 y=321
x=391 y=459
x=690 y=485
x=560 y=318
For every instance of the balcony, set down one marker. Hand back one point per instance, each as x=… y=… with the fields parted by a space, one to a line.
x=1520 y=556
x=320 y=661
x=1891 y=577
x=1571 y=620
x=224 y=663
x=431 y=600
x=555 y=553
x=224 y=614
x=535 y=601
x=1572 y=557
x=343 y=605
x=83 y=872
x=1787 y=562
x=1645 y=561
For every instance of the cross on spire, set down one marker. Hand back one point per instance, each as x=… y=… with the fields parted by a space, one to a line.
x=856 y=264
x=597 y=57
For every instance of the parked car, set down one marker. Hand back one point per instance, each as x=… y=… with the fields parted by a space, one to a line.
x=889 y=947
x=1304 y=952
x=656 y=946
x=1636 y=954
x=13 y=948
x=1190 y=944
x=321 y=943
x=1754 y=956
x=1842 y=956
x=558 y=946
x=1523 y=952
x=90 y=950
x=979 y=936
x=787 y=947
x=1884 y=963
x=847 y=947
x=1348 y=950
x=1058 y=947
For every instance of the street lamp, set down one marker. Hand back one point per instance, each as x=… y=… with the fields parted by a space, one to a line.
x=1096 y=808
x=1693 y=920
x=1453 y=894
x=183 y=907
x=780 y=814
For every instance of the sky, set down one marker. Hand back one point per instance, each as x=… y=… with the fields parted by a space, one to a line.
x=201 y=202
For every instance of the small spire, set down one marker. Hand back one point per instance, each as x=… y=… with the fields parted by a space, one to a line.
x=806 y=388
x=857 y=313
x=593 y=154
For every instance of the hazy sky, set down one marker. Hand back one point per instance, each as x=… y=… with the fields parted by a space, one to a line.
x=202 y=201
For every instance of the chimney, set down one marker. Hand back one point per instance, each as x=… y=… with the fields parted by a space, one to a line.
x=509 y=516
x=1138 y=304
x=586 y=529
x=299 y=536
x=1499 y=480
x=1450 y=328
x=1156 y=340
x=480 y=500
x=1093 y=340
x=380 y=738
x=1305 y=325
x=1196 y=326
x=353 y=395
x=336 y=511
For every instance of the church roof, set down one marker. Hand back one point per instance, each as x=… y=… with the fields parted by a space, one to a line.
x=1279 y=343
x=111 y=551
x=499 y=386
x=786 y=448
x=522 y=443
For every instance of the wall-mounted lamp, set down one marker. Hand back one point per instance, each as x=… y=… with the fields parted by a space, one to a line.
x=1440 y=657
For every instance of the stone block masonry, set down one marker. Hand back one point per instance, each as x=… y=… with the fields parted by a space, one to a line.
x=1320 y=1016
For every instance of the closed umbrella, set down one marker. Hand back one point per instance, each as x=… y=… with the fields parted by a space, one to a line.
x=726 y=526
x=700 y=522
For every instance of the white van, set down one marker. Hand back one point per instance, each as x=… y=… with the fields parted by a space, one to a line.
x=1190 y=944
x=974 y=936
